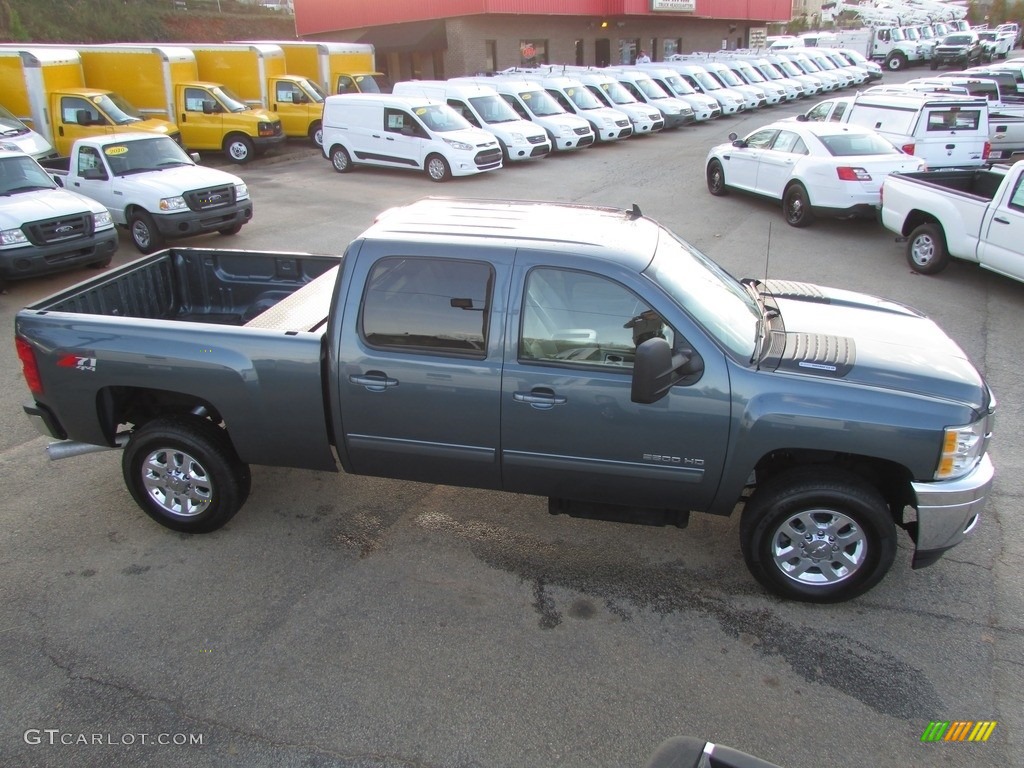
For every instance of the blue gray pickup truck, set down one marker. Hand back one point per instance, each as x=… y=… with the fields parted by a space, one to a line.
x=584 y=354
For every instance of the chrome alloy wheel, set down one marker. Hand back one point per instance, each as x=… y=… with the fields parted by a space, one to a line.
x=819 y=546
x=177 y=482
x=923 y=250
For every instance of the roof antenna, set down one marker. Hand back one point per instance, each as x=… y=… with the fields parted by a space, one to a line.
x=635 y=213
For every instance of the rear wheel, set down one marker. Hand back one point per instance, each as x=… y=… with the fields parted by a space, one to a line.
x=184 y=473
x=820 y=535
x=797 y=207
x=145 y=236
x=716 y=179
x=437 y=168
x=926 y=249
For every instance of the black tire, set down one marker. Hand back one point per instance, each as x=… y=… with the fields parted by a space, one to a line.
x=184 y=473
x=234 y=229
x=504 y=153
x=340 y=160
x=796 y=206
x=895 y=62
x=437 y=168
x=238 y=148
x=927 y=253
x=143 y=232
x=934 y=65
x=102 y=263
x=316 y=134
x=716 y=179
x=817 y=534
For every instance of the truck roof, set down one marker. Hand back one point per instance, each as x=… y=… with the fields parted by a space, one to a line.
x=613 y=234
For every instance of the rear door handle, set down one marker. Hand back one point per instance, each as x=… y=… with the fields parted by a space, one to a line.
x=375 y=381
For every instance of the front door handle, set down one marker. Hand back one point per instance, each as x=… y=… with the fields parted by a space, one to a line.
x=1001 y=221
x=541 y=398
x=375 y=381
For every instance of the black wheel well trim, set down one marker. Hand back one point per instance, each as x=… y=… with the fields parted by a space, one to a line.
x=918 y=217
x=116 y=405
x=236 y=135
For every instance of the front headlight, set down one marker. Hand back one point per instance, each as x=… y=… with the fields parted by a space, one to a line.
x=173 y=204
x=518 y=138
x=962 y=448
x=241 y=192
x=566 y=131
x=12 y=237
x=102 y=220
x=459 y=145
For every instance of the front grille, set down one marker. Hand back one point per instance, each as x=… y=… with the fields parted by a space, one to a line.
x=537 y=139
x=621 y=123
x=59 y=230
x=539 y=151
x=208 y=199
x=581 y=131
x=487 y=157
x=586 y=141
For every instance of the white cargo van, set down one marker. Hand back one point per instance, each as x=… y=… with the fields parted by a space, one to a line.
x=576 y=99
x=483 y=108
x=642 y=87
x=701 y=81
x=405 y=132
x=704 y=107
x=531 y=102
x=645 y=119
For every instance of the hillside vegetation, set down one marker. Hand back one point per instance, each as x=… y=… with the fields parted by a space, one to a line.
x=158 y=21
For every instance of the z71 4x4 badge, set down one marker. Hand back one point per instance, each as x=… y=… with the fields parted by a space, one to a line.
x=78 y=362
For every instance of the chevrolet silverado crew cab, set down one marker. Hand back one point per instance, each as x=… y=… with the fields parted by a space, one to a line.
x=584 y=354
x=45 y=229
x=153 y=188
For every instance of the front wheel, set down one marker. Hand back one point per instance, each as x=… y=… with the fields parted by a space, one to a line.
x=238 y=148
x=145 y=236
x=184 y=473
x=234 y=229
x=819 y=535
x=716 y=179
x=797 y=207
x=926 y=249
x=340 y=160
x=437 y=168
x=316 y=134
x=896 y=62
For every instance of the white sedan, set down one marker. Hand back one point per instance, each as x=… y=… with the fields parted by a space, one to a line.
x=814 y=168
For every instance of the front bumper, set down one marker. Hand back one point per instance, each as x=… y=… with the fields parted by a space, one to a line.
x=34 y=260
x=188 y=223
x=948 y=510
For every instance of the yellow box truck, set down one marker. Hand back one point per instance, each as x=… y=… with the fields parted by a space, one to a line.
x=257 y=73
x=164 y=81
x=335 y=67
x=45 y=88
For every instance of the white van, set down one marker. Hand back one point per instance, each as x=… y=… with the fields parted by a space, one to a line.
x=701 y=81
x=483 y=108
x=704 y=107
x=531 y=102
x=645 y=119
x=14 y=134
x=944 y=131
x=642 y=87
x=576 y=99
x=405 y=132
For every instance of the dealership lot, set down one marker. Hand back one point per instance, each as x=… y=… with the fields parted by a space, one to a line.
x=360 y=622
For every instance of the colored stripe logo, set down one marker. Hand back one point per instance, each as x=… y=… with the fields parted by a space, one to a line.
x=958 y=730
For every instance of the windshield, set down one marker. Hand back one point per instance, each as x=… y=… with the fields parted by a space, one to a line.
x=541 y=103
x=707 y=82
x=898 y=36
x=313 y=91
x=617 y=94
x=912 y=33
x=649 y=88
x=808 y=65
x=751 y=74
x=582 y=98
x=769 y=71
x=790 y=68
x=117 y=109
x=957 y=40
x=442 y=118
x=228 y=99
x=714 y=298
x=727 y=76
x=10 y=125
x=679 y=86
x=493 y=109
x=22 y=174
x=927 y=33
x=142 y=155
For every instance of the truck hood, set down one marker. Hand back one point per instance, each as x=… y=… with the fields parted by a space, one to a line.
x=171 y=182
x=835 y=334
x=43 y=204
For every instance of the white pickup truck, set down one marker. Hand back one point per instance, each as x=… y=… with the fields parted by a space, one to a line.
x=153 y=187
x=45 y=229
x=974 y=214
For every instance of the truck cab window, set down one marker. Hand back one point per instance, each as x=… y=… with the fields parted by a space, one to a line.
x=437 y=306
x=577 y=317
x=346 y=85
x=88 y=160
x=72 y=109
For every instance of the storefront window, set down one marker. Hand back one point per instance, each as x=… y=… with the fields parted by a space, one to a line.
x=671 y=47
x=627 y=51
x=533 y=53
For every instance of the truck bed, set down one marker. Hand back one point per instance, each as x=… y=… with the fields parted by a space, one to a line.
x=977 y=183
x=210 y=286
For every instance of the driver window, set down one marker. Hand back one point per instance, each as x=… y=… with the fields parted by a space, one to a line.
x=761 y=139
x=396 y=121
x=88 y=160
x=577 y=317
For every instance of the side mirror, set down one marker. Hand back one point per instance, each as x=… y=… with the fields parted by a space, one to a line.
x=656 y=370
x=194 y=156
x=83 y=117
x=802 y=118
x=210 y=107
x=95 y=174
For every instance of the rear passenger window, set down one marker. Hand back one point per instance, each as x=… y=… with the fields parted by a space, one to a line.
x=438 y=306
x=579 y=318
